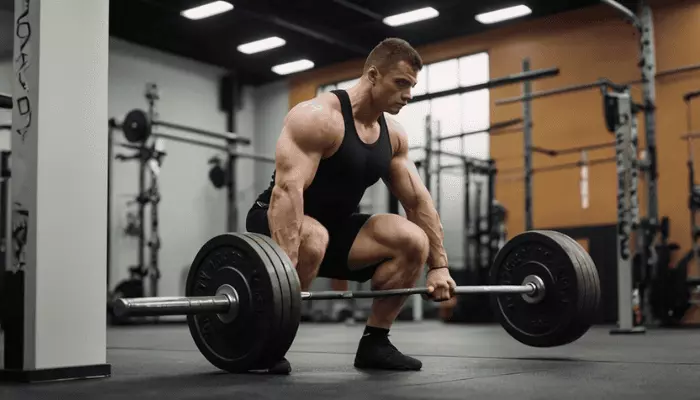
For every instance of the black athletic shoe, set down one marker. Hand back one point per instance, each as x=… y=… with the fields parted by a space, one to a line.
x=379 y=353
x=282 y=367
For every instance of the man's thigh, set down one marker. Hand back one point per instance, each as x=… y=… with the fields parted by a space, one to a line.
x=382 y=237
x=343 y=237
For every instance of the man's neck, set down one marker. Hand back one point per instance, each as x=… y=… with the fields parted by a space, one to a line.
x=363 y=109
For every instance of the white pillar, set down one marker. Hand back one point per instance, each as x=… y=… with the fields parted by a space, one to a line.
x=58 y=191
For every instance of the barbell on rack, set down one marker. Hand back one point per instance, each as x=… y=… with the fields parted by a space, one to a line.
x=243 y=297
x=137 y=127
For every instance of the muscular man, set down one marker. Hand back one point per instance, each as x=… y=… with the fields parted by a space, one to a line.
x=331 y=149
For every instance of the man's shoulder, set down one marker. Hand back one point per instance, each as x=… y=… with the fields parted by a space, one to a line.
x=321 y=112
x=397 y=134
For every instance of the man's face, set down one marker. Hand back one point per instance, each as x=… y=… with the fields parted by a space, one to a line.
x=392 y=90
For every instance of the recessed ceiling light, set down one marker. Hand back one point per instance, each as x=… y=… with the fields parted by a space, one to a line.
x=411 y=16
x=292 y=67
x=261 y=45
x=207 y=10
x=504 y=14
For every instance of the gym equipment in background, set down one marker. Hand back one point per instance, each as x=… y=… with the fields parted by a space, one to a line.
x=143 y=277
x=650 y=226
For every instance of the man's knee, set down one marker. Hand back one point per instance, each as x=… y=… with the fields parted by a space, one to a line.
x=413 y=244
x=314 y=241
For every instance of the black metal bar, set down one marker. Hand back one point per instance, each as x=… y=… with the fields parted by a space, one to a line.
x=195 y=142
x=491 y=200
x=467 y=216
x=691 y=95
x=527 y=151
x=509 y=172
x=576 y=164
x=231 y=166
x=5 y=101
x=428 y=151
x=693 y=135
x=529 y=288
x=674 y=71
x=626 y=12
x=506 y=80
x=228 y=136
x=593 y=85
x=571 y=150
x=451 y=166
x=495 y=127
x=361 y=10
x=5 y=127
x=451 y=154
x=478 y=232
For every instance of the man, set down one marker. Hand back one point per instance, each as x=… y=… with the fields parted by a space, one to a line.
x=331 y=149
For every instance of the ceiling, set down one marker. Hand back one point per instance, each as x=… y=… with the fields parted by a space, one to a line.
x=324 y=31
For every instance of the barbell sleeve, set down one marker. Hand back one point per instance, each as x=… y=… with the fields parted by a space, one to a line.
x=153 y=306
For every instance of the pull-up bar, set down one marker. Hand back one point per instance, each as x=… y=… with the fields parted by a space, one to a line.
x=571 y=150
x=502 y=81
x=626 y=12
x=591 y=85
x=490 y=130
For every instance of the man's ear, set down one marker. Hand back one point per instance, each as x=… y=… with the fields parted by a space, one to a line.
x=373 y=75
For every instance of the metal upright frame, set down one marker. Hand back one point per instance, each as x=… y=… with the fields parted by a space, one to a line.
x=628 y=205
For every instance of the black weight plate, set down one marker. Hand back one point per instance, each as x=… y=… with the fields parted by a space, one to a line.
x=588 y=293
x=593 y=271
x=288 y=276
x=238 y=261
x=274 y=351
x=579 y=325
x=136 y=126
x=549 y=322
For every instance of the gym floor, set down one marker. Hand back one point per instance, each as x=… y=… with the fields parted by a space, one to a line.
x=459 y=362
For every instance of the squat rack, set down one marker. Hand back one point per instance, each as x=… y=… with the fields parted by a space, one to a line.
x=650 y=227
x=147 y=152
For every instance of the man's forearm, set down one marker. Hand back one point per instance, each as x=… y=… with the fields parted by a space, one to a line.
x=285 y=216
x=426 y=217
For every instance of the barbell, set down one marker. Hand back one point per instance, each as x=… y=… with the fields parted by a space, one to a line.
x=243 y=297
x=137 y=127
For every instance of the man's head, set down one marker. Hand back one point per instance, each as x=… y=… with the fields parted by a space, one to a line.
x=392 y=68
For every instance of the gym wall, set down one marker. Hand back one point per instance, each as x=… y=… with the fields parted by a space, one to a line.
x=586 y=45
x=191 y=210
x=271 y=102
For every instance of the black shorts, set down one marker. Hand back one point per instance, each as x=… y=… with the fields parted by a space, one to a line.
x=341 y=236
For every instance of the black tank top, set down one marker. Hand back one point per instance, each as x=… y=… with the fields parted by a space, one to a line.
x=341 y=179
